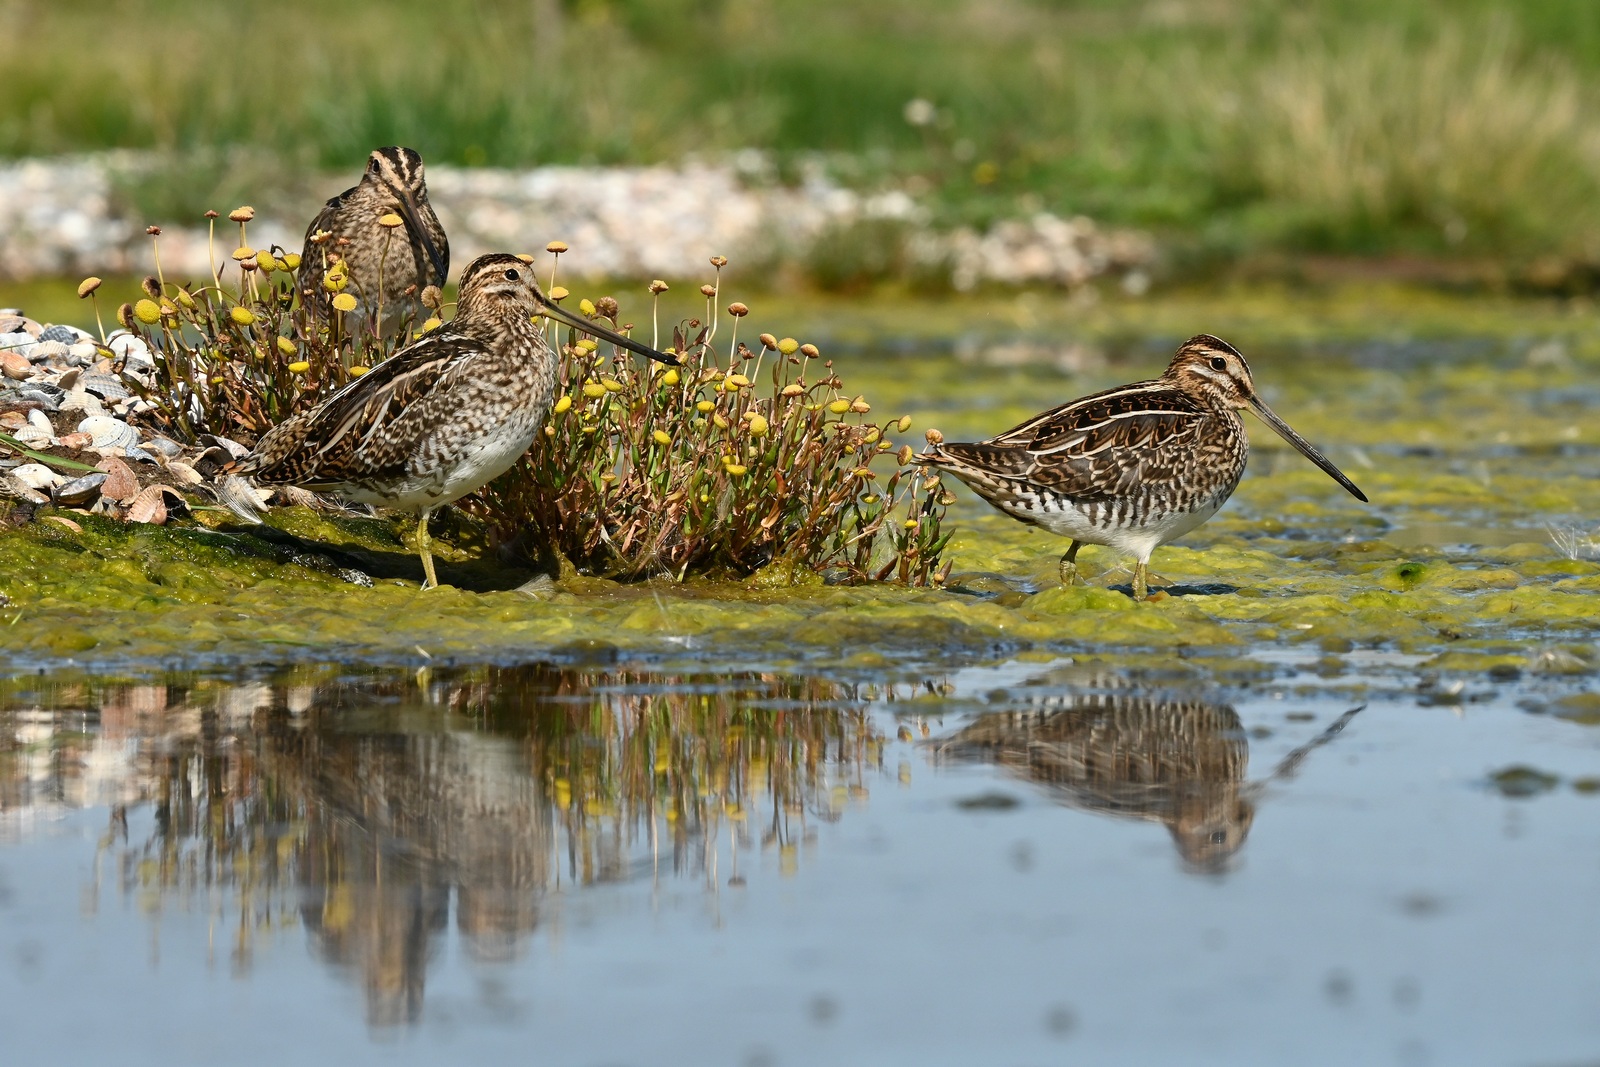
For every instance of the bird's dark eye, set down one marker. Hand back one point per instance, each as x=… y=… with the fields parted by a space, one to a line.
x=1218 y=363
x=1219 y=837
x=512 y=275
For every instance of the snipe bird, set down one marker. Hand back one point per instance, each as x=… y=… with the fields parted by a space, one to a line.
x=443 y=416
x=387 y=269
x=1134 y=467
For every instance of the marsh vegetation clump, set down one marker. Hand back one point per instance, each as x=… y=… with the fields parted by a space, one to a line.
x=741 y=460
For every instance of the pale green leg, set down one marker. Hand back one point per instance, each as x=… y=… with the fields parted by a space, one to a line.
x=1141 y=579
x=1069 y=564
x=425 y=548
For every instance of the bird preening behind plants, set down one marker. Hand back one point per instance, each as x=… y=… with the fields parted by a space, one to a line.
x=1133 y=467
x=386 y=267
x=443 y=416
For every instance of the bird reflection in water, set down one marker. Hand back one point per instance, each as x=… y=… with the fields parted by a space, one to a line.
x=1108 y=748
x=374 y=812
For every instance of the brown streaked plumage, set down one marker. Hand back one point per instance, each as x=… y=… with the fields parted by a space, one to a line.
x=441 y=417
x=1133 y=467
x=388 y=269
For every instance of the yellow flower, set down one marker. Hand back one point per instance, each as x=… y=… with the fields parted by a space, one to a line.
x=243 y=316
x=286 y=346
x=291 y=260
x=562 y=404
x=265 y=261
x=147 y=312
x=345 y=302
x=587 y=344
x=662 y=437
x=186 y=299
x=611 y=384
x=587 y=307
x=87 y=286
x=390 y=221
x=758 y=425
x=721 y=421
x=358 y=370
x=735 y=469
x=904 y=424
x=593 y=389
x=242 y=253
x=860 y=405
x=792 y=390
x=671 y=377
x=299 y=367
x=557 y=247
x=432 y=324
x=788 y=346
x=738 y=381
x=839 y=407
x=559 y=293
x=704 y=405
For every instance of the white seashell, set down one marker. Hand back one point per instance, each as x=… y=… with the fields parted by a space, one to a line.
x=106 y=433
x=18 y=342
x=80 y=399
x=131 y=349
x=49 y=352
x=37 y=476
x=164 y=446
x=12 y=487
x=82 y=352
x=184 y=474
x=40 y=421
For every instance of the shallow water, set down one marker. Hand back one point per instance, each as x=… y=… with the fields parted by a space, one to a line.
x=248 y=811
x=1016 y=862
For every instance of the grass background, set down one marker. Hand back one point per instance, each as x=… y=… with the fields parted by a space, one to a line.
x=1460 y=129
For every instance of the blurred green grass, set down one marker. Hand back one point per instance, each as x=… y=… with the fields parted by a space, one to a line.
x=1459 y=128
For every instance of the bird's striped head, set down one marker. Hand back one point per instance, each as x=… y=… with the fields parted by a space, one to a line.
x=499 y=283
x=399 y=170
x=1212 y=371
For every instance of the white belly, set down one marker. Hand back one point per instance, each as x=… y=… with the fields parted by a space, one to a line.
x=469 y=472
x=1138 y=541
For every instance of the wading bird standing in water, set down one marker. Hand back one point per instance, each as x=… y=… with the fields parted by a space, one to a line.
x=442 y=417
x=1134 y=467
x=387 y=267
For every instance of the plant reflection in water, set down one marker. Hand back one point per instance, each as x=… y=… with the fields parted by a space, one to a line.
x=363 y=808
x=374 y=810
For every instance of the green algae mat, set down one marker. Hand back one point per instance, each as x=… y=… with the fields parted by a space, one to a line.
x=1470 y=424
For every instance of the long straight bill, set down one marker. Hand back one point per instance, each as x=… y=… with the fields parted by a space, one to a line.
x=555 y=311
x=1304 y=447
x=413 y=217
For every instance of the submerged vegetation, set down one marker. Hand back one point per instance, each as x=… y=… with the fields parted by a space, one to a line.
x=1463 y=129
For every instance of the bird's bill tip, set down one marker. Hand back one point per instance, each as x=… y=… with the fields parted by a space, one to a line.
x=1305 y=448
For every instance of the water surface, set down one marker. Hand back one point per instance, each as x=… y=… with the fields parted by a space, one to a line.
x=1019 y=862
